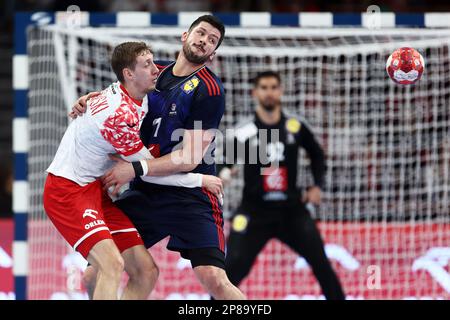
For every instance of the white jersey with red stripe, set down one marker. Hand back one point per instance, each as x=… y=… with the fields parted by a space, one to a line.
x=110 y=125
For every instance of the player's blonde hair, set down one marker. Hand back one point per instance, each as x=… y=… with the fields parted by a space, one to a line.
x=124 y=56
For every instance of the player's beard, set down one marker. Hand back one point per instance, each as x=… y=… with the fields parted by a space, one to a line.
x=270 y=105
x=192 y=57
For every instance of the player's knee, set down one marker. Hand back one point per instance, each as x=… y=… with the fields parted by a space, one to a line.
x=145 y=273
x=142 y=270
x=153 y=272
x=118 y=265
x=150 y=274
x=214 y=278
x=106 y=258
x=112 y=265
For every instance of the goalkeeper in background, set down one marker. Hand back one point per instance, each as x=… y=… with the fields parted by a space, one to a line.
x=272 y=205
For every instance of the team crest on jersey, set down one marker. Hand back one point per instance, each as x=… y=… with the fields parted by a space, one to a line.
x=190 y=85
x=173 y=110
x=293 y=125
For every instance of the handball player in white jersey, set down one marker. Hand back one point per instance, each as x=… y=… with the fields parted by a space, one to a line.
x=74 y=198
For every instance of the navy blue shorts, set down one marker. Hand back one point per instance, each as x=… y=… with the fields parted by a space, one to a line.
x=192 y=217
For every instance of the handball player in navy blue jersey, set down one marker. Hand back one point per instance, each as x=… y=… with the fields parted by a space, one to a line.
x=185 y=109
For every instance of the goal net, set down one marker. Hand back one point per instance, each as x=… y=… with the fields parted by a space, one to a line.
x=385 y=213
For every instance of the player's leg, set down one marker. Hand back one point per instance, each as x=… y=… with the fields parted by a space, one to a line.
x=77 y=214
x=139 y=265
x=141 y=269
x=105 y=258
x=302 y=235
x=142 y=272
x=89 y=279
x=247 y=237
x=216 y=282
x=209 y=267
x=195 y=225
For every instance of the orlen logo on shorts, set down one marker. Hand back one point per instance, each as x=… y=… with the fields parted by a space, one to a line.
x=92 y=214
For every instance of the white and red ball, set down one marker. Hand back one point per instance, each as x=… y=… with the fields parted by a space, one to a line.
x=405 y=65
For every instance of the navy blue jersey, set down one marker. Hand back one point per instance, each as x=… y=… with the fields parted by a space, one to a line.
x=176 y=104
x=191 y=216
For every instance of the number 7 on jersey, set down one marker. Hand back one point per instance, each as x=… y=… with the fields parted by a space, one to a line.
x=157 y=123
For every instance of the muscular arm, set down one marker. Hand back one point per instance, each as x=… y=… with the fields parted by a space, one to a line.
x=195 y=145
x=187 y=180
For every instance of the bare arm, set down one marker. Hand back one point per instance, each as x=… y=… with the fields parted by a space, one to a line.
x=187 y=180
x=195 y=145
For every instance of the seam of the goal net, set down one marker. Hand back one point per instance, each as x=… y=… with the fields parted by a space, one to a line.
x=349 y=49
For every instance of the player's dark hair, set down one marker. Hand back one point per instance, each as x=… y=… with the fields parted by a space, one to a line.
x=266 y=74
x=212 y=20
x=124 y=56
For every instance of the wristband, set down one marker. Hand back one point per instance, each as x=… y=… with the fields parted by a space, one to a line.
x=144 y=167
x=138 y=169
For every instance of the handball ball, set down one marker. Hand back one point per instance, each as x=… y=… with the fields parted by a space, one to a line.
x=405 y=65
